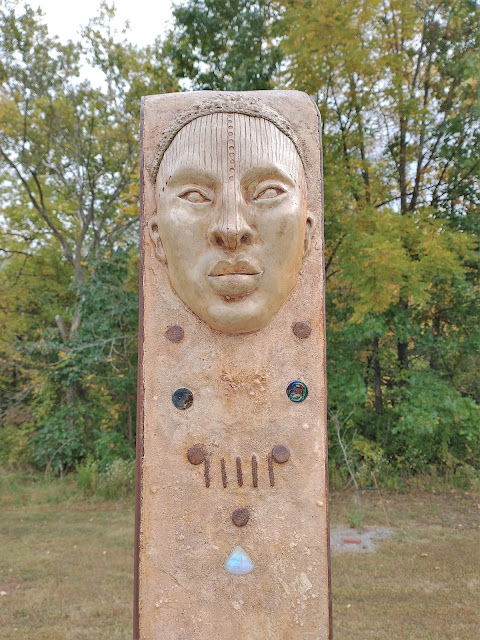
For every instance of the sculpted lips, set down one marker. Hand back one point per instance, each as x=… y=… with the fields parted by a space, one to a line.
x=235 y=279
x=241 y=268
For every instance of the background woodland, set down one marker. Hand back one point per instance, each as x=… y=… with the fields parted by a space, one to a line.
x=397 y=83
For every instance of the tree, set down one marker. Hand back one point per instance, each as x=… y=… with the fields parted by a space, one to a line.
x=100 y=362
x=397 y=86
x=69 y=149
x=69 y=156
x=224 y=44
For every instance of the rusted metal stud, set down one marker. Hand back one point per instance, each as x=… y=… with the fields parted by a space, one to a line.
x=302 y=329
x=241 y=516
x=175 y=333
x=196 y=454
x=280 y=453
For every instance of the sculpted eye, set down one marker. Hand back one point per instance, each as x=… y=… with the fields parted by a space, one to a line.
x=194 y=196
x=268 y=193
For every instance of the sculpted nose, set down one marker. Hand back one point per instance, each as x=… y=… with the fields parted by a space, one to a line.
x=231 y=238
x=231 y=230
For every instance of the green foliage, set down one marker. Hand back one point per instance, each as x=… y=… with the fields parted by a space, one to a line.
x=15 y=438
x=100 y=361
x=429 y=424
x=398 y=87
x=434 y=424
x=354 y=520
x=118 y=480
x=27 y=487
x=224 y=44
x=57 y=445
x=70 y=194
x=87 y=475
x=115 y=482
x=109 y=445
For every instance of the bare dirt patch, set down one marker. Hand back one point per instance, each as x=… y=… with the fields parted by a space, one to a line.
x=346 y=540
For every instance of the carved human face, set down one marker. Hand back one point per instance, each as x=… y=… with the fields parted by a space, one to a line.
x=231 y=220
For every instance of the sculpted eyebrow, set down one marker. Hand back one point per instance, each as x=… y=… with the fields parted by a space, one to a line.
x=184 y=175
x=260 y=174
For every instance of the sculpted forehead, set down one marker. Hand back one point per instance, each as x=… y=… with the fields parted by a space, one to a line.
x=229 y=144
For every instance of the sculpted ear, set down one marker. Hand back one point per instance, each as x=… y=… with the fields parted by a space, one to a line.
x=309 y=229
x=155 y=237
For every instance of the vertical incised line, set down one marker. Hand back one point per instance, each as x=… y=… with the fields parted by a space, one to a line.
x=280 y=140
x=217 y=148
x=191 y=140
x=254 y=140
x=234 y=195
x=231 y=208
x=208 y=121
x=270 y=471
x=221 y=162
x=264 y=138
x=250 y=122
x=198 y=136
x=207 y=472
x=254 y=471
x=224 y=150
x=239 y=472
x=242 y=156
x=224 y=473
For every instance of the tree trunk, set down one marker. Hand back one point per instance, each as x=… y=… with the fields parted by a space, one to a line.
x=377 y=377
x=402 y=347
x=70 y=395
x=436 y=334
x=129 y=420
x=402 y=166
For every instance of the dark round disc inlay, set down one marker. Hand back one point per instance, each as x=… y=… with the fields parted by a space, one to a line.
x=182 y=398
x=280 y=453
x=241 y=516
x=297 y=391
x=175 y=333
x=196 y=454
x=302 y=329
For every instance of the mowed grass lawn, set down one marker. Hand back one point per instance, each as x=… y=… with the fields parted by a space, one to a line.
x=66 y=567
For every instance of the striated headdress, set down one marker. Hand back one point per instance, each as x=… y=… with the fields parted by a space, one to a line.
x=227 y=103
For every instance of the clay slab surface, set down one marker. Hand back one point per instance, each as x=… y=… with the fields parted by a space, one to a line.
x=239 y=414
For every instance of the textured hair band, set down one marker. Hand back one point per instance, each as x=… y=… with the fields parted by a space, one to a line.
x=227 y=103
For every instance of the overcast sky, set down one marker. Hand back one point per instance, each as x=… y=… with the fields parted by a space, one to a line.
x=147 y=19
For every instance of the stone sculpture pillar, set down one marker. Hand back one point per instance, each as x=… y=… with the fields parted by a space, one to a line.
x=232 y=506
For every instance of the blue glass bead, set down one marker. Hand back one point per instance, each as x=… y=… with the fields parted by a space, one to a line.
x=297 y=391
